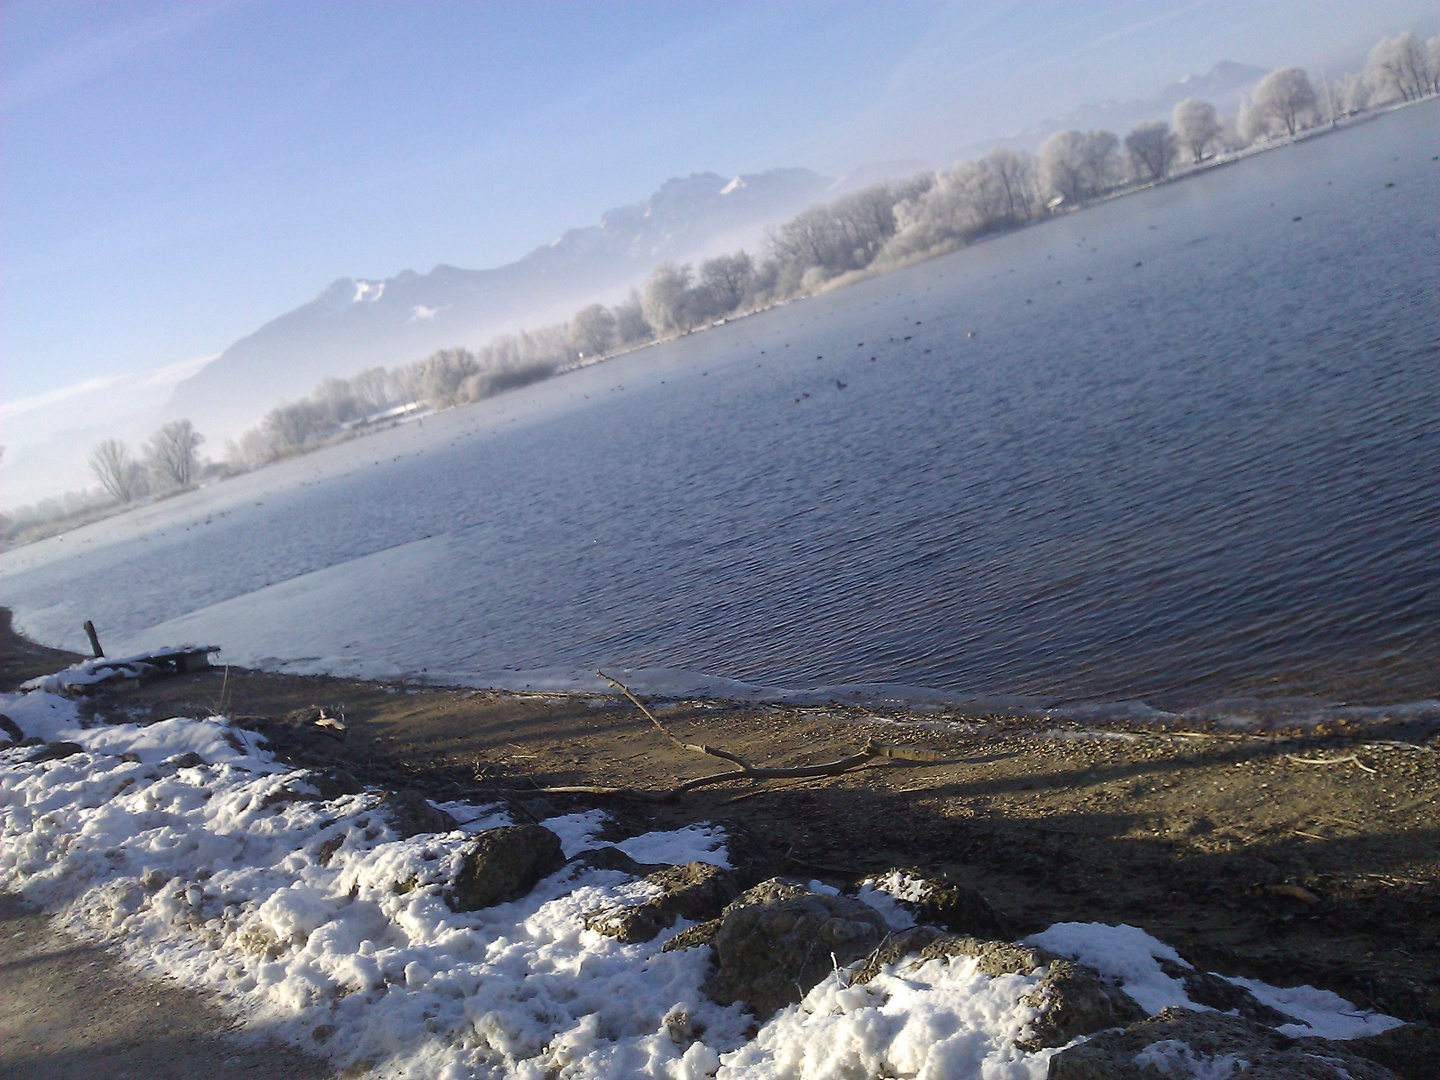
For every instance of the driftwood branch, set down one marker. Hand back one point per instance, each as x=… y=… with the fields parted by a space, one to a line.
x=1347 y=759
x=870 y=752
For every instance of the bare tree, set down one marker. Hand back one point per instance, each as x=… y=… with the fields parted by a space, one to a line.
x=812 y=239
x=1152 y=148
x=1015 y=173
x=118 y=472
x=726 y=280
x=170 y=453
x=1196 y=126
x=592 y=330
x=1284 y=99
x=1399 y=67
x=865 y=219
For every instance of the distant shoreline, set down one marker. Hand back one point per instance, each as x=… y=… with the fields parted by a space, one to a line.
x=45 y=530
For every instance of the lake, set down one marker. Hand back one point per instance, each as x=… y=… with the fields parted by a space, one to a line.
x=1182 y=448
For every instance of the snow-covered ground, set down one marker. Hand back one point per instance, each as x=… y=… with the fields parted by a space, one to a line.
x=190 y=846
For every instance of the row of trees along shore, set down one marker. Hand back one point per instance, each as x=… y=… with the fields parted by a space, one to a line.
x=871 y=230
x=882 y=227
x=168 y=462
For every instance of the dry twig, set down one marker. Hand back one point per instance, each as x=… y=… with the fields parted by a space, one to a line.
x=867 y=754
x=1350 y=758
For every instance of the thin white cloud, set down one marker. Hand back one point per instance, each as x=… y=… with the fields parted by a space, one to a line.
x=78 y=63
x=20 y=406
x=157 y=379
x=420 y=311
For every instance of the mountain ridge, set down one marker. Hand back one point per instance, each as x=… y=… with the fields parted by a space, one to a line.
x=354 y=323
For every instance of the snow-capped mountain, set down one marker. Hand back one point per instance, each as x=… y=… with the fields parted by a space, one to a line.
x=354 y=324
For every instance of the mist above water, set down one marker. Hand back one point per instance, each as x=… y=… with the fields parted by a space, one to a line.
x=1179 y=447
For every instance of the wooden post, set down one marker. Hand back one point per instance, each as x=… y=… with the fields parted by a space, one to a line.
x=94 y=640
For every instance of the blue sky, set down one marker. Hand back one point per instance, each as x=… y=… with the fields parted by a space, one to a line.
x=176 y=174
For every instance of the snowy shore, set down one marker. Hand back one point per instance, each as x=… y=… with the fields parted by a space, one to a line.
x=204 y=857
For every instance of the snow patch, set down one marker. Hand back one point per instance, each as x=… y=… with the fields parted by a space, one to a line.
x=1124 y=953
x=1175 y=1058
x=1318 y=1013
x=941 y=1019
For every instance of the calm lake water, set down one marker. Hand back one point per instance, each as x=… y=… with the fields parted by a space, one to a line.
x=1178 y=448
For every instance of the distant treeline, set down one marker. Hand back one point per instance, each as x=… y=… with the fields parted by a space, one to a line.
x=869 y=231
x=881 y=227
x=168 y=463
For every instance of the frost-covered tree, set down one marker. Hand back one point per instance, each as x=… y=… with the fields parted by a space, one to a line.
x=941 y=210
x=1059 y=167
x=592 y=330
x=1399 y=68
x=1284 y=100
x=336 y=398
x=288 y=426
x=668 y=301
x=1152 y=149
x=1100 y=154
x=170 y=453
x=630 y=325
x=372 y=388
x=1014 y=173
x=1075 y=165
x=443 y=373
x=1196 y=126
x=118 y=472
x=1350 y=93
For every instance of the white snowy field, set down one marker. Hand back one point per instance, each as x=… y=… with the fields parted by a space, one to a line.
x=183 y=842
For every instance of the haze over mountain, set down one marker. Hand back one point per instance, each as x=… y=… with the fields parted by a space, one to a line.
x=1225 y=86
x=354 y=323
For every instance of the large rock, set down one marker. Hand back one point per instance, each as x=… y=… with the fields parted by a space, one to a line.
x=696 y=891
x=1220 y=994
x=411 y=814
x=1179 y=1043
x=942 y=902
x=1072 y=999
x=503 y=864
x=54 y=751
x=778 y=940
x=11 y=729
x=1411 y=1051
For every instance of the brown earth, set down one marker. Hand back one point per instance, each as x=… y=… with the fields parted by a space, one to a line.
x=1239 y=850
x=69 y=1010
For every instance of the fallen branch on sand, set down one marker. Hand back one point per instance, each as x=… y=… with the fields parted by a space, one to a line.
x=868 y=753
x=1348 y=758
